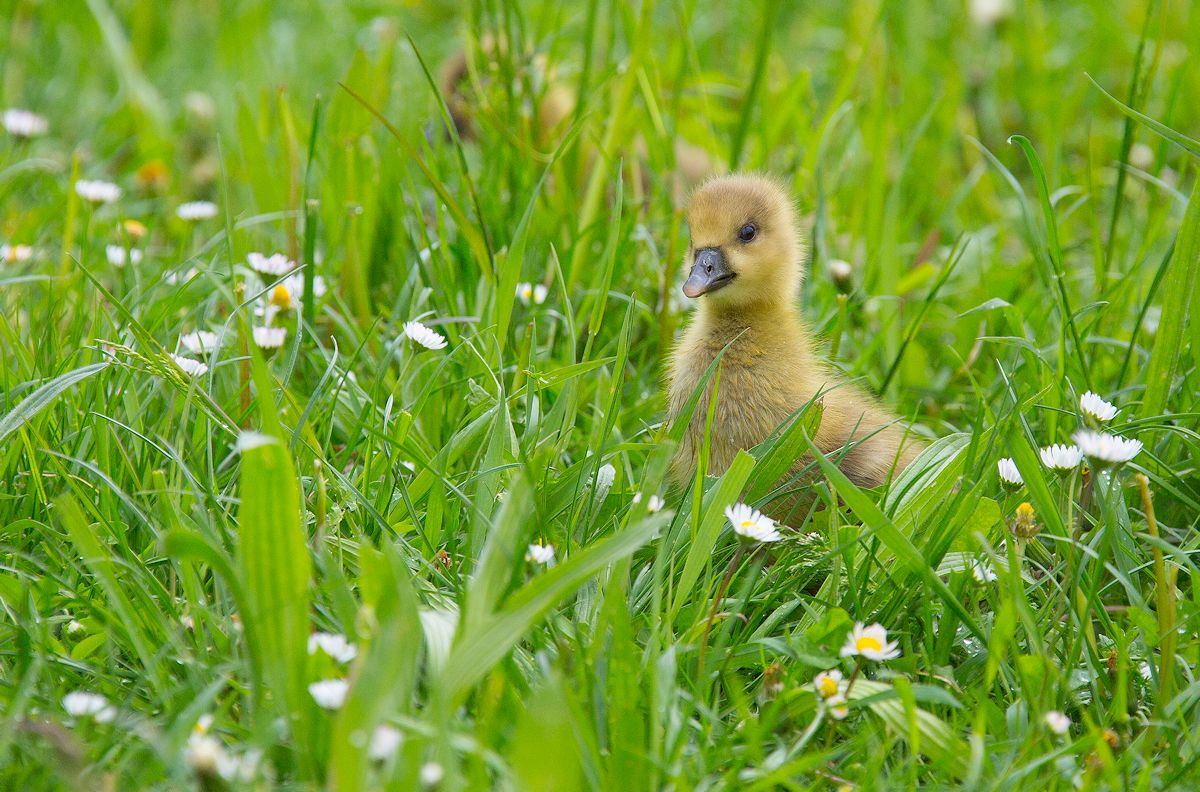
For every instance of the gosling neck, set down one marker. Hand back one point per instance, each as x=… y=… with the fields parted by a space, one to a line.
x=775 y=313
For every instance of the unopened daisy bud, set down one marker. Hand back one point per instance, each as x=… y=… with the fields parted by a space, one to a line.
x=385 y=741
x=1141 y=156
x=431 y=774
x=1062 y=459
x=987 y=13
x=841 y=272
x=1010 y=477
x=1023 y=525
x=1095 y=409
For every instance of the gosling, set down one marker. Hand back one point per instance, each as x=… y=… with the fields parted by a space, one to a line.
x=745 y=260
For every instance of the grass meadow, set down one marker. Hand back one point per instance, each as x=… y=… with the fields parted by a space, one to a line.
x=256 y=535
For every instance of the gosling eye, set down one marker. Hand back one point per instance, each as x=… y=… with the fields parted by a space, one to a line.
x=747 y=232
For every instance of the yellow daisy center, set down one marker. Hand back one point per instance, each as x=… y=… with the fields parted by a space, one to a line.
x=747 y=523
x=829 y=686
x=281 y=296
x=865 y=642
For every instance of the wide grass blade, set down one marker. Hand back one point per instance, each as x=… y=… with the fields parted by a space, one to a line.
x=1179 y=294
x=41 y=398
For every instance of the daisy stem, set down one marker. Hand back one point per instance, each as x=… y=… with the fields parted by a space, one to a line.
x=853 y=676
x=712 y=613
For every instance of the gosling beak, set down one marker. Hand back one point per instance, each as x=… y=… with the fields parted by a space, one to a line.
x=709 y=273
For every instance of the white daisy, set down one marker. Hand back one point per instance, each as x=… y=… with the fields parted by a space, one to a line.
x=870 y=642
x=424 y=336
x=385 y=741
x=828 y=683
x=193 y=368
x=1096 y=408
x=97 y=192
x=204 y=755
x=1106 y=449
x=431 y=774
x=333 y=644
x=982 y=571
x=269 y=337
x=74 y=627
x=81 y=704
x=287 y=294
x=751 y=524
x=653 y=505
x=200 y=342
x=329 y=694
x=1057 y=722
x=15 y=254
x=24 y=123
x=118 y=256
x=838 y=708
x=194 y=211
x=540 y=553
x=1062 y=458
x=242 y=768
x=1009 y=475
x=532 y=293
x=274 y=265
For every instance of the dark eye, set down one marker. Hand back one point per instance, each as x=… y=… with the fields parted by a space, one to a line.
x=747 y=232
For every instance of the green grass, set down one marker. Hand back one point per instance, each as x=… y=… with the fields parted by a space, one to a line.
x=169 y=542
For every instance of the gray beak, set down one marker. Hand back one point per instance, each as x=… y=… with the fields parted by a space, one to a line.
x=709 y=273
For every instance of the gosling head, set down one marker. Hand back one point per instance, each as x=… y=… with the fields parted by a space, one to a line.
x=745 y=248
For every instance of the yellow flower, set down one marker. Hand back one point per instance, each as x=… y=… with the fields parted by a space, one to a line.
x=1024 y=526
